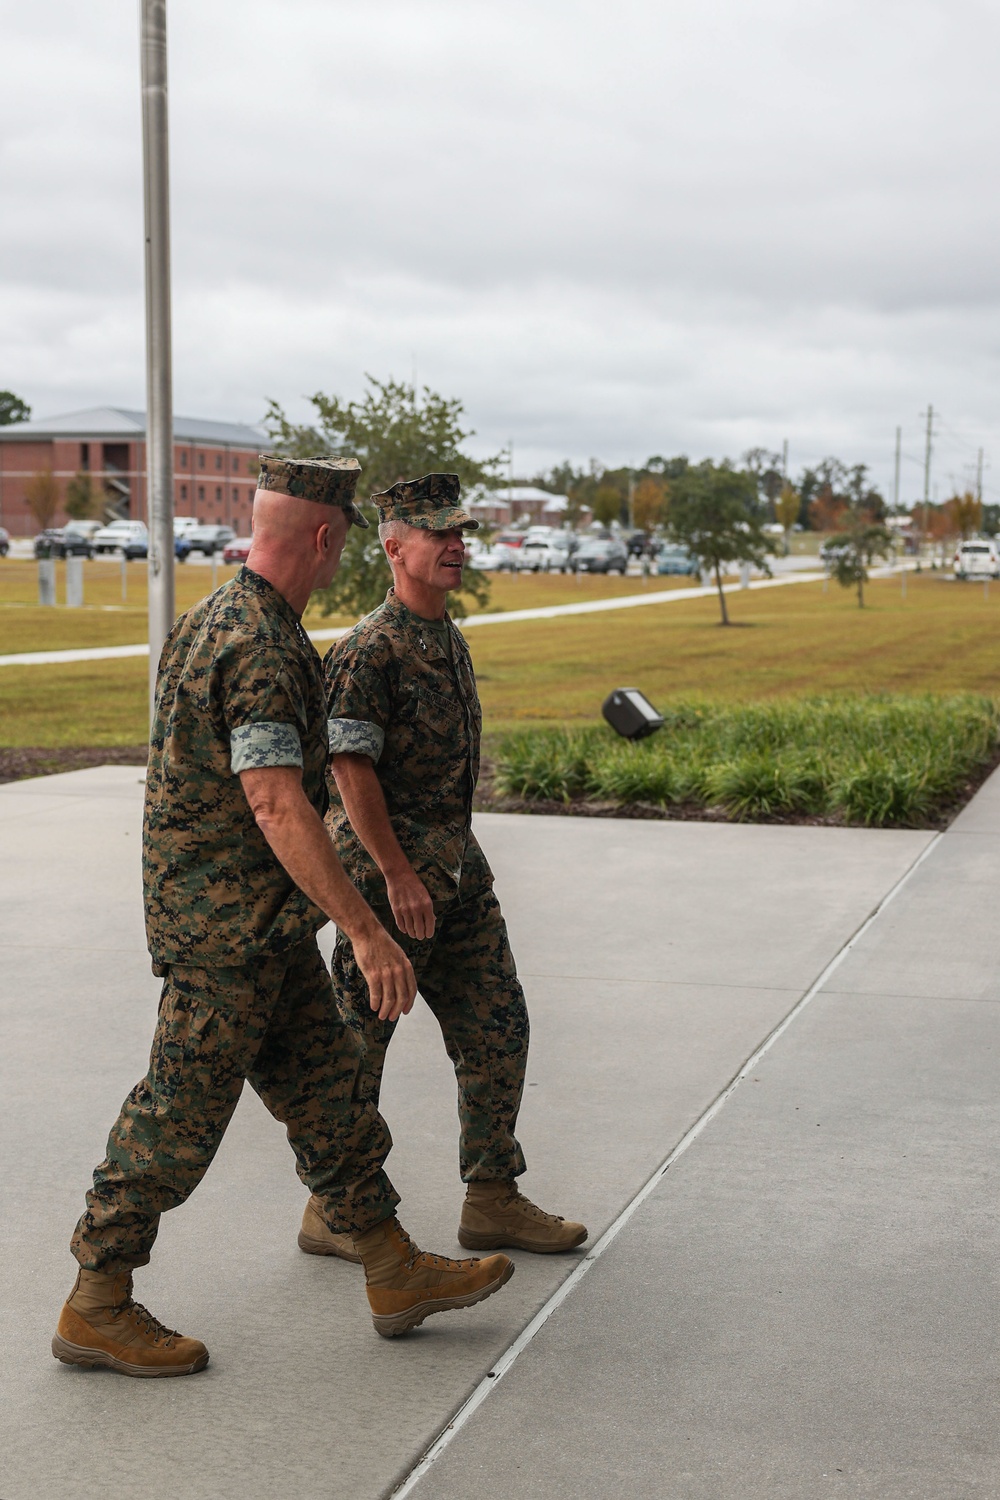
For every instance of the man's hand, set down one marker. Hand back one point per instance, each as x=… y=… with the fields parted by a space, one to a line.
x=391 y=985
x=411 y=904
x=295 y=831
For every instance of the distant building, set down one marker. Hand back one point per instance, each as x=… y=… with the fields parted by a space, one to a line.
x=215 y=465
x=504 y=506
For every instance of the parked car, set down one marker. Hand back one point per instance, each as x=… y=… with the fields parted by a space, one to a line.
x=137 y=550
x=544 y=554
x=184 y=524
x=84 y=528
x=599 y=556
x=4 y=541
x=673 y=559
x=209 y=539
x=63 y=541
x=977 y=559
x=238 y=550
x=495 y=558
x=115 y=537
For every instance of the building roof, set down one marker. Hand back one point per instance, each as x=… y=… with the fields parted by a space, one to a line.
x=119 y=422
x=509 y=494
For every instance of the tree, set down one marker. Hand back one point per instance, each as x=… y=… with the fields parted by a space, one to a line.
x=650 y=501
x=82 y=497
x=42 y=494
x=863 y=537
x=12 y=409
x=786 y=510
x=715 y=513
x=606 y=504
x=765 y=467
x=966 y=514
x=395 y=432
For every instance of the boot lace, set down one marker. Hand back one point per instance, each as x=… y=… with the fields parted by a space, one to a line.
x=515 y=1198
x=146 y=1322
x=413 y=1253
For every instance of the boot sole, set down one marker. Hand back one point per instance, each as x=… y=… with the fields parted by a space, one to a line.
x=322 y=1247
x=99 y=1359
x=390 y=1325
x=471 y=1239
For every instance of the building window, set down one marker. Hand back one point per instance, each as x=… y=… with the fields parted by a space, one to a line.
x=85 y=457
x=218 y=494
x=236 y=496
x=184 y=460
x=184 y=491
x=201 y=460
x=236 y=464
x=201 y=492
x=218 y=460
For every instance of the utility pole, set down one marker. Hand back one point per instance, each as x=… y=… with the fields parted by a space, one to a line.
x=927 y=464
x=895 y=478
x=159 y=368
x=784 y=460
x=979 y=477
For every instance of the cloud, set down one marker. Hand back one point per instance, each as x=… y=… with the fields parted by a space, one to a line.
x=611 y=230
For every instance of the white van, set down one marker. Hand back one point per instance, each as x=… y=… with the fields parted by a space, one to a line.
x=977 y=559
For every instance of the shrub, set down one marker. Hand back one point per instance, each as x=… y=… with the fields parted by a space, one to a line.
x=875 y=761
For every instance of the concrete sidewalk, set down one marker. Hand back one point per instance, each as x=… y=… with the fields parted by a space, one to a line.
x=807 y=1303
x=787 y=1281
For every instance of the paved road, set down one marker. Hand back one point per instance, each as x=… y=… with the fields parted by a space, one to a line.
x=808 y=1287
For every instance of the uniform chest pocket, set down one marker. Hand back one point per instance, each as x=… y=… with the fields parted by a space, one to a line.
x=440 y=714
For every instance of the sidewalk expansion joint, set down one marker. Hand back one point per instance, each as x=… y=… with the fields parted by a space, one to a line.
x=493 y=1377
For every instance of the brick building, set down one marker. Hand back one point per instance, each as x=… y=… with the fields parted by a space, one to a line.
x=518 y=502
x=215 y=465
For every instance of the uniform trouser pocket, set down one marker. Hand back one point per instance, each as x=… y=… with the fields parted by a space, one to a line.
x=217 y=1027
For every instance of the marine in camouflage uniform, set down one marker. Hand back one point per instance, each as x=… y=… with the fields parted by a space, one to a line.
x=246 y=993
x=401 y=694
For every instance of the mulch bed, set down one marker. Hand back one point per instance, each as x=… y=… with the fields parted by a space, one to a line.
x=31 y=760
x=487 y=800
x=24 y=761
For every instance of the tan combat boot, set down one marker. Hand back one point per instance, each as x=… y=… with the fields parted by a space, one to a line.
x=406 y=1285
x=495 y=1214
x=100 y=1327
x=317 y=1238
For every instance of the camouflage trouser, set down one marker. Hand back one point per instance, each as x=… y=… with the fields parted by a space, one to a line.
x=466 y=974
x=274 y=1023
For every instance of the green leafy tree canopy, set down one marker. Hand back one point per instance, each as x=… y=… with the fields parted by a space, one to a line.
x=395 y=432
x=715 y=513
x=12 y=409
x=863 y=535
x=83 y=497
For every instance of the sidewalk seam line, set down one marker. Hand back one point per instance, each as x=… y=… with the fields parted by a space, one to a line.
x=506 y=1360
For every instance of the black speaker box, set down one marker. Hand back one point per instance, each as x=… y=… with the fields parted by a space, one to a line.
x=630 y=714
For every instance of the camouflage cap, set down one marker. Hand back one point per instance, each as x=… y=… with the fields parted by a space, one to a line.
x=430 y=503
x=328 y=481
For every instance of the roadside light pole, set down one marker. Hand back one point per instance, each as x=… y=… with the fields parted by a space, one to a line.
x=159 y=371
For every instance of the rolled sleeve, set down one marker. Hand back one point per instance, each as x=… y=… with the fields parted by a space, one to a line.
x=355 y=737
x=253 y=746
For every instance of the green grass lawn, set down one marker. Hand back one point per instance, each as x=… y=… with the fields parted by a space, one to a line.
x=109 y=620
x=794 y=641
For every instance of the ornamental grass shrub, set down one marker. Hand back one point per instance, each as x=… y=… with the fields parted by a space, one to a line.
x=875 y=761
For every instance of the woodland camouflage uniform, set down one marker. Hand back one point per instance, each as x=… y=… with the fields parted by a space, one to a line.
x=402 y=691
x=246 y=994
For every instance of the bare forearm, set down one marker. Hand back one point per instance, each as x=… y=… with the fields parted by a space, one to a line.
x=300 y=843
x=364 y=803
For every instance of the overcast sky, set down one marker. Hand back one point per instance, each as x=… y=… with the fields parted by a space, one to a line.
x=611 y=229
